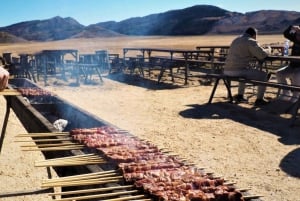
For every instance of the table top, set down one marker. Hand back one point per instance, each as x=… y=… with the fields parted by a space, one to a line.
x=283 y=58
x=212 y=46
x=168 y=50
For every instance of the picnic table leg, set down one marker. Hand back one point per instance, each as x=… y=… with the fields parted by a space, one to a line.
x=295 y=111
x=171 y=72
x=227 y=83
x=162 y=70
x=214 y=90
x=186 y=72
x=99 y=74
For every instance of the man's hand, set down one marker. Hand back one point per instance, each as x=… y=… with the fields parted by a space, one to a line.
x=4 y=75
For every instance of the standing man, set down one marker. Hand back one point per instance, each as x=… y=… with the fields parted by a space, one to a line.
x=241 y=53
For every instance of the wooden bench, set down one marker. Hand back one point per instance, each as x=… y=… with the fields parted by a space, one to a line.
x=227 y=82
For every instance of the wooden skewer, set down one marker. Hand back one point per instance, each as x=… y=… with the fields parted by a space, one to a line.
x=63 y=179
x=249 y=197
x=229 y=183
x=9 y=89
x=46 y=140
x=143 y=199
x=59 y=163
x=80 y=183
x=55 y=148
x=73 y=163
x=243 y=189
x=133 y=197
x=91 y=190
x=88 y=174
x=10 y=92
x=71 y=159
x=82 y=180
x=43 y=134
x=88 y=197
x=50 y=145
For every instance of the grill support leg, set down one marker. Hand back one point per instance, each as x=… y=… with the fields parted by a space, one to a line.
x=8 y=104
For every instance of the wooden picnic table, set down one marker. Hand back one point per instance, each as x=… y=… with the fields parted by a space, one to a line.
x=184 y=55
x=220 y=51
x=48 y=60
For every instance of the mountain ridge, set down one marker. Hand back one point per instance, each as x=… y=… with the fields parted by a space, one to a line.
x=195 y=20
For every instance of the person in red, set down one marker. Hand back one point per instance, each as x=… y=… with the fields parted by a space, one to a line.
x=292 y=70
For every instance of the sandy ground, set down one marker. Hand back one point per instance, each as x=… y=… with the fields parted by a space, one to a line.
x=253 y=147
x=250 y=146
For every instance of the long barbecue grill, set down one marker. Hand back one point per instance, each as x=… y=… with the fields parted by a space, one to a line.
x=121 y=179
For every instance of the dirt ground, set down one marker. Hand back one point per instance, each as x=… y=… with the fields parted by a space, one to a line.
x=254 y=147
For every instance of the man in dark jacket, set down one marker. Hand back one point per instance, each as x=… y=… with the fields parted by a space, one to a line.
x=292 y=70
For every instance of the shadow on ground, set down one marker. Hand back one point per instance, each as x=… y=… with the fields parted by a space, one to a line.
x=137 y=80
x=263 y=119
x=260 y=118
x=291 y=163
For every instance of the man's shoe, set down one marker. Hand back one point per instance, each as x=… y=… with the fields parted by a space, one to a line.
x=261 y=102
x=240 y=99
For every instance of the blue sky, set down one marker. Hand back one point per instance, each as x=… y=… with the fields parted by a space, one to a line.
x=89 y=12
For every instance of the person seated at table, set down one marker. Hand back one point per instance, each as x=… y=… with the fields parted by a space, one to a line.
x=241 y=53
x=292 y=70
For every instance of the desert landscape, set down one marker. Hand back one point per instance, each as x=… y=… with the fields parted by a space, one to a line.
x=254 y=147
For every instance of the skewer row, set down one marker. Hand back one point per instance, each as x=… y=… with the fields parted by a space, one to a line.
x=84 y=160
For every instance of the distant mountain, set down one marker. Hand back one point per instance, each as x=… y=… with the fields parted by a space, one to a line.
x=266 y=21
x=56 y=28
x=195 y=20
x=93 y=31
x=9 y=38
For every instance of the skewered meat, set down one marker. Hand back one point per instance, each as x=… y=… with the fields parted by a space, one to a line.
x=34 y=91
x=147 y=167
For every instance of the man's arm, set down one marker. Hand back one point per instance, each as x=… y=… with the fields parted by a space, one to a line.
x=257 y=51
